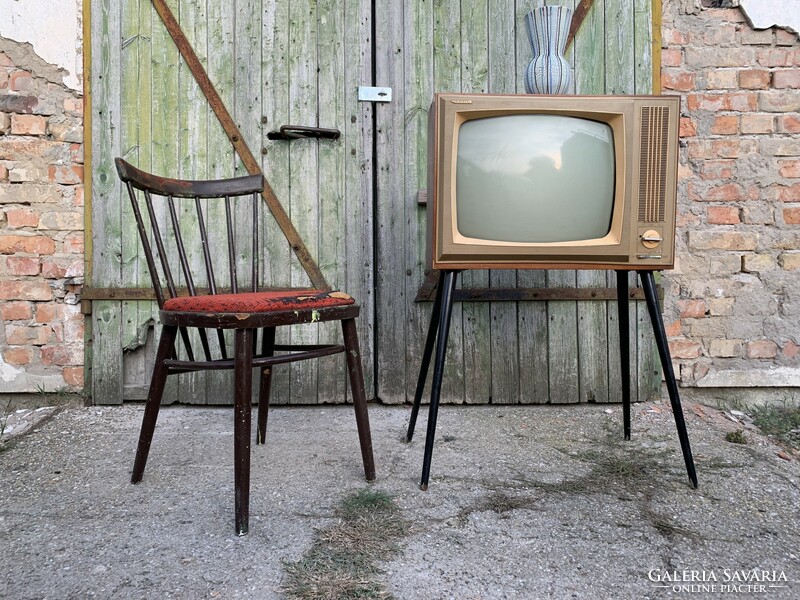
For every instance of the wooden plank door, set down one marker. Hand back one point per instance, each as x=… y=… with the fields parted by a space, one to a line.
x=273 y=62
x=503 y=352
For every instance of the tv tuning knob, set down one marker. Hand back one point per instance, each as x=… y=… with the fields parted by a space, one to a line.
x=651 y=238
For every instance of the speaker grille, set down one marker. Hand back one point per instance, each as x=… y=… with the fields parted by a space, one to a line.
x=653 y=164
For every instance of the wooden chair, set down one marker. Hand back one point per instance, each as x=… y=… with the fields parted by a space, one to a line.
x=243 y=308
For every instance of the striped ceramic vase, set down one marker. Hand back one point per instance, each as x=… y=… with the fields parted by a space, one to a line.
x=548 y=72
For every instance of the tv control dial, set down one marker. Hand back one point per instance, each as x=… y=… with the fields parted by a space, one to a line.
x=651 y=238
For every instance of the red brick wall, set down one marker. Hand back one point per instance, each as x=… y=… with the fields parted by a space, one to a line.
x=733 y=302
x=41 y=227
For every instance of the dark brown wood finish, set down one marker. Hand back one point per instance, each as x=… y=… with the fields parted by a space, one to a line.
x=169 y=259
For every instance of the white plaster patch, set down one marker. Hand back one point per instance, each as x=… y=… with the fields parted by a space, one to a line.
x=51 y=27
x=764 y=14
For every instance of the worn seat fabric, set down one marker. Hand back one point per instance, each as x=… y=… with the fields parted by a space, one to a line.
x=259 y=302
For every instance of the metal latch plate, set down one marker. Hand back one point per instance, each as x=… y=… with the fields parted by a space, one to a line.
x=374 y=94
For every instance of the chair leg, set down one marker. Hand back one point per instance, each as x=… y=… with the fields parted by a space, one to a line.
x=433 y=326
x=624 y=349
x=153 y=403
x=267 y=349
x=649 y=285
x=354 y=369
x=446 y=309
x=242 y=384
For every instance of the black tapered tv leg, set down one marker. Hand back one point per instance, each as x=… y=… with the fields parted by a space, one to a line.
x=624 y=349
x=433 y=327
x=649 y=285
x=446 y=310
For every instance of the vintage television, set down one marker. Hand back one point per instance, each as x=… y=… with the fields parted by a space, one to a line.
x=526 y=181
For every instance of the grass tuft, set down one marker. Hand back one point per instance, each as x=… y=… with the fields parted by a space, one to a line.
x=736 y=437
x=342 y=564
x=779 y=422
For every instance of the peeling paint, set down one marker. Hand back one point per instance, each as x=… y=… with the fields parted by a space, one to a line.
x=763 y=14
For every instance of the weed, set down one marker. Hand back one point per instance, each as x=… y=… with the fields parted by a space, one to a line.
x=781 y=422
x=736 y=437
x=342 y=562
x=3 y=422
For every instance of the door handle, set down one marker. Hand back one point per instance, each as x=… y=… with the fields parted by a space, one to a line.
x=296 y=132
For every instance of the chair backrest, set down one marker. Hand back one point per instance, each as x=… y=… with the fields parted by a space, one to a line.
x=166 y=220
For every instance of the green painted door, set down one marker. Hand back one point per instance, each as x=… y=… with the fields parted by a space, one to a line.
x=354 y=200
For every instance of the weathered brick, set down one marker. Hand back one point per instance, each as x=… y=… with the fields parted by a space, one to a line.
x=724 y=215
x=73 y=106
x=688 y=128
x=722 y=347
x=755 y=123
x=683 y=348
x=22 y=265
x=68 y=354
x=720 y=34
x=721 y=306
x=791 y=215
x=755 y=36
x=786 y=78
x=16 y=311
x=20 y=81
x=780 y=146
x=18 y=356
x=62 y=221
x=779 y=101
x=757 y=263
x=694 y=308
x=32 y=244
x=31 y=193
x=718 y=169
x=73 y=243
x=774 y=57
x=66 y=175
x=789 y=123
x=671 y=57
x=702 y=57
x=722 y=79
x=28 y=125
x=22 y=217
x=783 y=193
x=762 y=349
x=673 y=329
x=674 y=37
x=789 y=168
x=758 y=215
x=784 y=37
x=25 y=290
x=21 y=335
x=790 y=261
x=682 y=81
x=3 y=173
x=722 y=240
x=73 y=376
x=61 y=268
x=725 y=125
x=790 y=349
x=754 y=79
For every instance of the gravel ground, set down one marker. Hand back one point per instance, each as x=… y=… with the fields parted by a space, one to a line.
x=524 y=502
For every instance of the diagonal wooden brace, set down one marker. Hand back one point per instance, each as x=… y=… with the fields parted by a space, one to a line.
x=239 y=145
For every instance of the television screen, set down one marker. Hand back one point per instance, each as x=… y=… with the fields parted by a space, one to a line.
x=534 y=178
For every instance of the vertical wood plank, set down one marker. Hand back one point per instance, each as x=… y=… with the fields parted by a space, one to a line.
x=593 y=349
x=358 y=201
x=391 y=326
x=331 y=195
x=417 y=92
x=304 y=165
x=107 y=373
x=532 y=326
x=275 y=164
x=447 y=65
x=476 y=316
x=221 y=160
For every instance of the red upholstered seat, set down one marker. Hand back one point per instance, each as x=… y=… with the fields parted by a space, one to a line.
x=258 y=302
